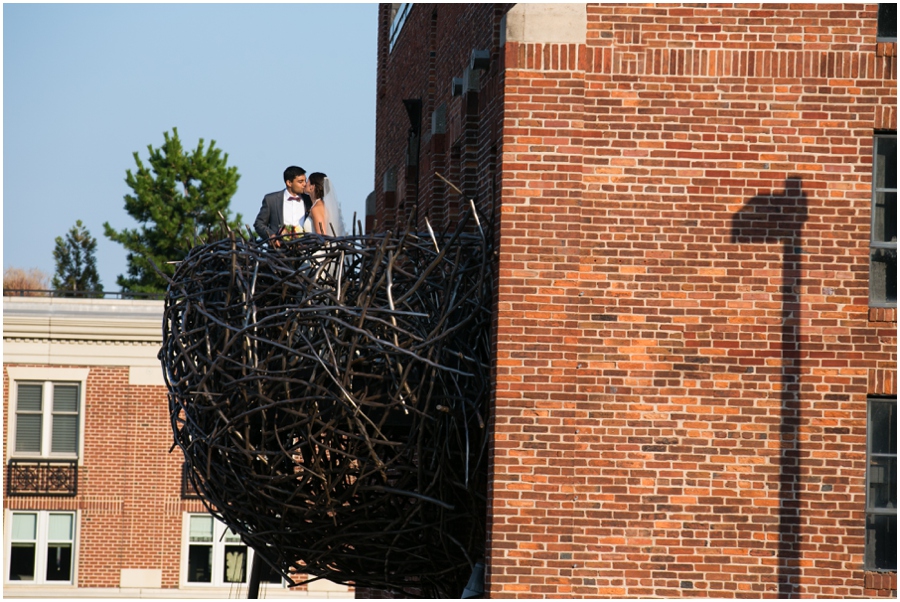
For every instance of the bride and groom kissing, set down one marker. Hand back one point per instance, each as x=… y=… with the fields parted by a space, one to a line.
x=306 y=205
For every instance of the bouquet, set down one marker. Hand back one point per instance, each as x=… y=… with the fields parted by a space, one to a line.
x=291 y=231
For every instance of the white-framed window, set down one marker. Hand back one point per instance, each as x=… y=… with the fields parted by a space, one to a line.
x=46 y=411
x=40 y=547
x=214 y=556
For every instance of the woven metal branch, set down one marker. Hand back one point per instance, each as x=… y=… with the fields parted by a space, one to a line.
x=331 y=396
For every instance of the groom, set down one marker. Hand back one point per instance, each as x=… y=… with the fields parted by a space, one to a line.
x=288 y=206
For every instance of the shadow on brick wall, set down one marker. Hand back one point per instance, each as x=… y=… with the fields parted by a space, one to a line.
x=767 y=219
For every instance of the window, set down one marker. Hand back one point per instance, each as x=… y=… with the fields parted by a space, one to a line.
x=887 y=22
x=215 y=555
x=45 y=406
x=399 y=13
x=41 y=547
x=883 y=244
x=881 y=485
x=47 y=419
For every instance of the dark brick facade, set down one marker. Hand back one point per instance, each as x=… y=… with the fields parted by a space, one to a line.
x=684 y=345
x=464 y=147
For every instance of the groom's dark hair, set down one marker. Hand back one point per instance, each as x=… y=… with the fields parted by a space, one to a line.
x=292 y=172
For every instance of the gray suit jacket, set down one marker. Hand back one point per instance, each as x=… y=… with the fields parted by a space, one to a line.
x=271 y=215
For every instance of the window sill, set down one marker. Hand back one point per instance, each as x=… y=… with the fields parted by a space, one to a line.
x=55 y=587
x=883 y=314
x=881 y=582
x=885 y=48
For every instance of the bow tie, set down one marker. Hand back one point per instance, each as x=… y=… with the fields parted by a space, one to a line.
x=293 y=198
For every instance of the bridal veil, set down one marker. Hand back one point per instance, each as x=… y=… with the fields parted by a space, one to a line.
x=335 y=226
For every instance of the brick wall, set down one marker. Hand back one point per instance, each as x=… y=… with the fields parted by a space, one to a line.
x=129 y=485
x=433 y=48
x=684 y=346
x=130 y=513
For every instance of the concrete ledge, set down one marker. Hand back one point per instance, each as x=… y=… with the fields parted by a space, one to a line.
x=323 y=586
x=141 y=375
x=78 y=353
x=545 y=24
x=140 y=578
x=208 y=593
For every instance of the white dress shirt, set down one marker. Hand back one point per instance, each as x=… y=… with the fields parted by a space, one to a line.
x=293 y=211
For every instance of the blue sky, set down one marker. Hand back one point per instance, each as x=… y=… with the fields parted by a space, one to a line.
x=87 y=85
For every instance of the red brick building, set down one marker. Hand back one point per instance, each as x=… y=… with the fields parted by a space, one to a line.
x=94 y=502
x=695 y=343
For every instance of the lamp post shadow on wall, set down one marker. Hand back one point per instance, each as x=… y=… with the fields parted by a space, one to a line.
x=766 y=219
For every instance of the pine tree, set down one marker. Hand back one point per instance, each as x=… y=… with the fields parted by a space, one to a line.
x=76 y=266
x=176 y=200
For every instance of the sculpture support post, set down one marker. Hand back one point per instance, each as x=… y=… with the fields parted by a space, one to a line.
x=253 y=588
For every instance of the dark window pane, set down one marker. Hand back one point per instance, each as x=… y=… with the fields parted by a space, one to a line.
x=64 y=439
x=59 y=562
x=199 y=564
x=881 y=542
x=28 y=418
x=21 y=562
x=30 y=398
x=885 y=162
x=28 y=433
x=887 y=20
x=235 y=564
x=883 y=276
x=65 y=398
x=884 y=222
x=882 y=482
x=883 y=427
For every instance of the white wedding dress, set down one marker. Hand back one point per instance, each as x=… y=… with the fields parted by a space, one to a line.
x=307 y=225
x=335 y=221
x=334 y=227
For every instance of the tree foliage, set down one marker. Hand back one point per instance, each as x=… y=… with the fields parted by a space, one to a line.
x=18 y=279
x=76 y=265
x=177 y=199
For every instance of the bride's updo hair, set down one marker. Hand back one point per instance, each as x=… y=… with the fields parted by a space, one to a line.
x=317 y=179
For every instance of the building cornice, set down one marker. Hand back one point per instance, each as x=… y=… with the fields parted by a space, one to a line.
x=82 y=320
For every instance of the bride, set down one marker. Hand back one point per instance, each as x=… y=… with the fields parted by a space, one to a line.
x=325 y=213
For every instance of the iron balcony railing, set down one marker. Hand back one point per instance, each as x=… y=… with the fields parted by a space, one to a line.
x=42 y=477
x=17 y=292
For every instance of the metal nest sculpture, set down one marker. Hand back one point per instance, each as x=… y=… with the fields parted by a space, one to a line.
x=330 y=398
